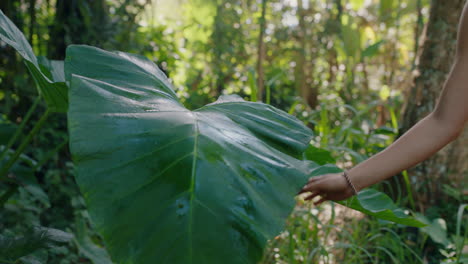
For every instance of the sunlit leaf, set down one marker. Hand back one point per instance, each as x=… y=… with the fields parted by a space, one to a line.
x=167 y=185
x=357 y=4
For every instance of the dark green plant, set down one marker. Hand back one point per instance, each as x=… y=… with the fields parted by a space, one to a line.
x=15 y=248
x=450 y=245
x=50 y=85
x=17 y=169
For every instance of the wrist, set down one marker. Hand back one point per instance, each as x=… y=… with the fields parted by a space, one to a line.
x=357 y=182
x=351 y=186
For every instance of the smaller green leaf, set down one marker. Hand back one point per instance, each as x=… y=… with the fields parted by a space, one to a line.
x=23 y=175
x=37 y=192
x=372 y=202
x=252 y=81
x=13 y=248
x=25 y=178
x=375 y=203
x=385 y=131
x=55 y=235
x=31 y=260
x=436 y=230
x=319 y=156
x=55 y=93
x=372 y=50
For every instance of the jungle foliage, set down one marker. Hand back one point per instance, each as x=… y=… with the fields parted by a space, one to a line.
x=123 y=112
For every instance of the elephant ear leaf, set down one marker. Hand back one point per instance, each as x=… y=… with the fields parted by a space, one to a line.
x=54 y=92
x=164 y=184
x=53 y=69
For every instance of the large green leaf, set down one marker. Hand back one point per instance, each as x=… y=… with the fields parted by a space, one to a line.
x=54 y=92
x=167 y=185
x=86 y=245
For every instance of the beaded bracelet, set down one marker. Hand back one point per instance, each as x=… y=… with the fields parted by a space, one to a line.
x=345 y=174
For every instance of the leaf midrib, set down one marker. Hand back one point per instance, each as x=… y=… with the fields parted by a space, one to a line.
x=192 y=185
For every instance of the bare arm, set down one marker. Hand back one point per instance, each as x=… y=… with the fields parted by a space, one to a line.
x=427 y=137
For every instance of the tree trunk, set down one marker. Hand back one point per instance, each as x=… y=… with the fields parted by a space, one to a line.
x=450 y=165
x=32 y=22
x=305 y=63
x=78 y=22
x=261 y=55
x=417 y=32
x=227 y=45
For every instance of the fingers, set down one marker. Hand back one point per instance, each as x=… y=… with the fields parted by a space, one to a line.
x=309 y=187
x=323 y=199
x=312 y=196
x=313 y=179
x=312 y=184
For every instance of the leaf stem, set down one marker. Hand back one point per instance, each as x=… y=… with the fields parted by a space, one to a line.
x=24 y=144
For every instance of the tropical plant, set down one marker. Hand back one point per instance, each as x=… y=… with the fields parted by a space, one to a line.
x=168 y=185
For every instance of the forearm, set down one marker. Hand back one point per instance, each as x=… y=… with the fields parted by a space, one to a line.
x=427 y=137
x=422 y=141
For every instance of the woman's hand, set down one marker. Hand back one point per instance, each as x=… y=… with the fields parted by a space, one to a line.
x=332 y=187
